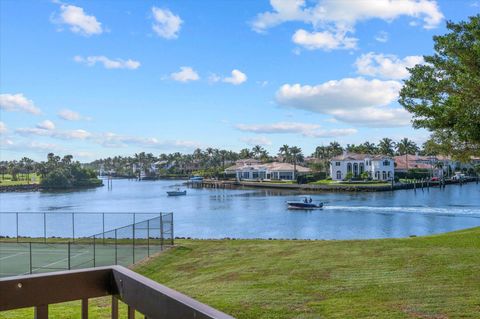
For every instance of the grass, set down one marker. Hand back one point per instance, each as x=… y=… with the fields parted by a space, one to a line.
x=6 y=179
x=362 y=184
x=435 y=277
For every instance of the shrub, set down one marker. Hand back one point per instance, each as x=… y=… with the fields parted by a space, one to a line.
x=57 y=178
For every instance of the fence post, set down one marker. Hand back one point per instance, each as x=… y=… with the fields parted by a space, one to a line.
x=103 y=227
x=94 y=250
x=133 y=239
x=161 y=231
x=116 y=255
x=171 y=229
x=68 y=256
x=148 y=237
x=30 y=248
x=17 y=224
x=73 y=226
x=45 y=227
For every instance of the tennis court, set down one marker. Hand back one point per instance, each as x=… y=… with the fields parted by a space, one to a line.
x=121 y=246
x=26 y=258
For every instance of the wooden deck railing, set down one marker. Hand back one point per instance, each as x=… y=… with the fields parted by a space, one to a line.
x=141 y=294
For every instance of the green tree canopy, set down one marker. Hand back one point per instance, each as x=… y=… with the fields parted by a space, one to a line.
x=444 y=93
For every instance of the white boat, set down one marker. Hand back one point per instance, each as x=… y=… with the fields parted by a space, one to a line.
x=305 y=204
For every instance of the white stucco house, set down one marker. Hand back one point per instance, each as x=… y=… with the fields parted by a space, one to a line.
x=255 y=170
x=378 y=167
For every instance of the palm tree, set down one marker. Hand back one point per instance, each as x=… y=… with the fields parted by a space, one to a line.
x=386 y=146
x=284 y=151
x=296 y=154
x=335 y=149
x=257 y=150
x=405 y=147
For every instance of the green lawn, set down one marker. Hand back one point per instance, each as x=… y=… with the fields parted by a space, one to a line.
x=6 y=179
x=433 y=277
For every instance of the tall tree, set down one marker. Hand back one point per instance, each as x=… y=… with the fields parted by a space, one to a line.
x=296 y=155
x=386 y=146
x=405 y=147
x=444 y=93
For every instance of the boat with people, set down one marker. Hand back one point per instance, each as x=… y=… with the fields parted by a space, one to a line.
x=307 y=203
x=177 y=193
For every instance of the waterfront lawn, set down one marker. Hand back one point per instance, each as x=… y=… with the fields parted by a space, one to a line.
x=431 y=277
x=6 y=179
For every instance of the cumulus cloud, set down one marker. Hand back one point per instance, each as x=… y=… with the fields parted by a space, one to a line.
x=237 y=77
x=17 y=103
x=107 y=63
x=352 y=100
x=336 y=18
x=386 y=66
x=46 y=125
x=79 y=21
x=256 y=140
x=186 y=74
x=305 y=129
x=3 y=128
x=167 y=25
x=324 y=40
x=70 y=115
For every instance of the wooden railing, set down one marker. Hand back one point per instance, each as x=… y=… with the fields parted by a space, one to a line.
x=141 y=294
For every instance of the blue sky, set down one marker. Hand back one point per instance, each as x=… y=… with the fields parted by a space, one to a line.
x=100 y=78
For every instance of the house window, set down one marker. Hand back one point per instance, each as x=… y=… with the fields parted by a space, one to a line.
x=362 y=168
x=286 y=175
x=245 y=175
x=339 y=175
x=377 y=175
x=349 y=167
x=337 y=163
x=386 y=163
x=255 y=175
x=355 y=169
x=389 y=175
x=384 y=175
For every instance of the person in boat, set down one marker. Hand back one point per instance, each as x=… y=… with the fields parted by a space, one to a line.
x=305 y=200
x=310 y=200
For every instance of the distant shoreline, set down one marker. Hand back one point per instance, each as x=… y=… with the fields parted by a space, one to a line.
x=38 y=187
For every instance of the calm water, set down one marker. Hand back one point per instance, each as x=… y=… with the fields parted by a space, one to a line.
x=253 y=213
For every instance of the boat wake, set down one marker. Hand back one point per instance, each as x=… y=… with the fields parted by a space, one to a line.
x=451 y=210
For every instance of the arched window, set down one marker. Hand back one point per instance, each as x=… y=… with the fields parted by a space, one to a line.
x=377 y=175
x=389 y=175
x=384 y=175
x=362 y=168
x=339 y=175
x=349 y=167
x=355 y=169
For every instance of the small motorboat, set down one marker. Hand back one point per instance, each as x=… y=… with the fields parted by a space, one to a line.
x=196 y=179
x=177 y=193
x=305 y=204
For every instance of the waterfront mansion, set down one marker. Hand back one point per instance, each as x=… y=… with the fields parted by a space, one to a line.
x=252 y=169
x=378 y=167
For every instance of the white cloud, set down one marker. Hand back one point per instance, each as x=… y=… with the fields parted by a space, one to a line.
x=114 y=140
x=17 y=102
x=3 y=128
x=78 y=134
x=256 y=140
x=70 y=115
x=386 y=66
x=107 y=63
x=46 y=125
x=78 y=20
x=238 y=77
x=167 y=25
x=381 y=36
x=324 y=40
x=352 y=100
x=336 y=18
x=185 y=74
x=305 y=129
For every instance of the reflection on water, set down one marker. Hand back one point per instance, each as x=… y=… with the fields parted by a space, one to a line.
x=259 y=213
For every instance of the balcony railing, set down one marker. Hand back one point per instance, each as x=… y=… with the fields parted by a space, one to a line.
x=139 y=293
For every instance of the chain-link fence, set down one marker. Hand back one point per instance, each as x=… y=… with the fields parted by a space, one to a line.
x=49 y=250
